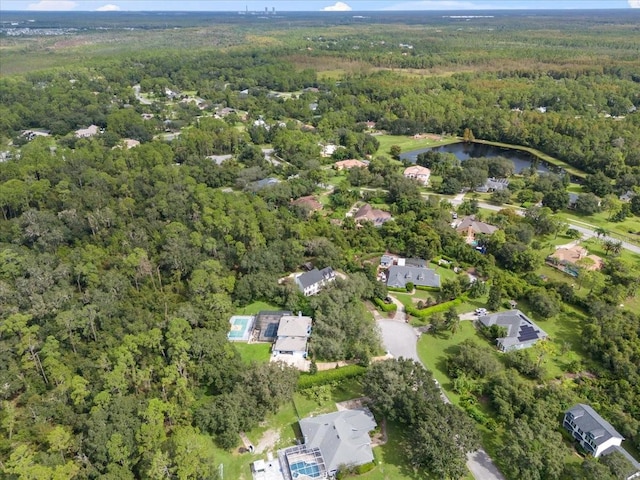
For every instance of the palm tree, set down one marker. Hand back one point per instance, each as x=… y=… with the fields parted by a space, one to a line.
x=616 y=247
x=601 y=232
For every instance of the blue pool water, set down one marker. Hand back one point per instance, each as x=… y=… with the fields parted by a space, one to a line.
x=303 y=468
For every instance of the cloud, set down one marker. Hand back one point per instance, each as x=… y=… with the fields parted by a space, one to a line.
x=441 y=5
x=634 y=3
x=110 y=7
x=338 y=7
x=48 y=5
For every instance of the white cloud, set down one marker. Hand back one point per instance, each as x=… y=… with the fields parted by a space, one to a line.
x=48 y=5
x=338 y=7
x=442 y=5
x=110 y=7
x=634 y=3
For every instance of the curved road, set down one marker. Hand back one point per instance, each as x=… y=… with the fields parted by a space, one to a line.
x=584 y=231
x=401 y=339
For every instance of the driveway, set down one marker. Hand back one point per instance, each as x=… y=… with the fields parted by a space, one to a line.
x=400 y=339
x=481 y=466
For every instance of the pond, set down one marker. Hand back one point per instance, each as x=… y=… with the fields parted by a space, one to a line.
x=464 y=151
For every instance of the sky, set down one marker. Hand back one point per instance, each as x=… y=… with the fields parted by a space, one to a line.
x=307 y=5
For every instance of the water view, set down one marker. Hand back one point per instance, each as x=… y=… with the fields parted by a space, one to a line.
x=464 y=151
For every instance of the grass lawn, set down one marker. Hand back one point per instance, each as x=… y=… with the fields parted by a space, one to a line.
x=628 y=230
x=391 y=462
x=253 y=352
x=409 y=143
x=434 y=349
x=256 y=307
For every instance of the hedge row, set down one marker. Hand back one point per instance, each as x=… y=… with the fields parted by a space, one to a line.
x=396 y=289
x=308 y=380
x=441 y=307
x=385 y=307
x=427 y=289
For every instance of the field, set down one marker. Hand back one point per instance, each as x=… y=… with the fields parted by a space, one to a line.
x=409 y=143
x=253 y=352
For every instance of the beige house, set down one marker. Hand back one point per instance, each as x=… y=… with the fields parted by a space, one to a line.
x=567 y=259
x=418 y=173
x=349 y=164
x=469 y=227
x=367 y=213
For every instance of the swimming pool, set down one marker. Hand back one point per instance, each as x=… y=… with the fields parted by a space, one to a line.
x=303 y=468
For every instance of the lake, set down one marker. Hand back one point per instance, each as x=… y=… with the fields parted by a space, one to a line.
x=464 y=151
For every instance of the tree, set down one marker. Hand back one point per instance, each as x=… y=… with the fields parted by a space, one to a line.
x=495 y=297
x=556 y=199
x=545 y=303
x=395 y=151
x=452 y=320
x=588 y=204
x=468 y=136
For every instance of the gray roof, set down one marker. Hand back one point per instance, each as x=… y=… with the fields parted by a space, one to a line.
x=589 y=421
x=342 y=437
x=494 y=184
x=634 y=465
x=521 y=331
x=294 y=326
x=415 y=262
x=573 y=198
x=291 y=344
x=398 y=276
x=315 y=276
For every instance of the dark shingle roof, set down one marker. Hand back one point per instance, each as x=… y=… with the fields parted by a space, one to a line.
x=315 y=276
x=398 y=276
x=589 y=421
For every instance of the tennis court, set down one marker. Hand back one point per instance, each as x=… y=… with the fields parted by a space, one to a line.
x=241 y=327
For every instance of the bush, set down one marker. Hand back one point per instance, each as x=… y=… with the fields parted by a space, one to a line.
x=427 y=289
x=325 y=377
x=440 y=308
x=385 y=307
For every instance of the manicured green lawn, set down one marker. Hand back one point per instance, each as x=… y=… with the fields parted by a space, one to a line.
x=434 y=349
x=256 y=307
x=253 y=352
x=409 y=143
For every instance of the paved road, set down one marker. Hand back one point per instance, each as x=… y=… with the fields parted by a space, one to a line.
x=583 y=229
x=400 y=339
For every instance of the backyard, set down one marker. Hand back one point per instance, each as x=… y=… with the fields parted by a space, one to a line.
x=281 y=430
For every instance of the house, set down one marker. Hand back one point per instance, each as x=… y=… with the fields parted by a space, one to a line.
x=387 y=260
x=597 y=436
x=265 y=182
x=573 y=200
x=521 y=331
x=266 y=324
x=90 y=131
x=331 y=441
x=293 y=335
x=367 y=213
x=328 y=149
x=311 y=282
x=493 y=185
x=309 y=203
x=469 y=227
x=566 y=258
x=627 y=196
x=399 y=275
x=349 y=164
x=421 y=174
x=412 y=262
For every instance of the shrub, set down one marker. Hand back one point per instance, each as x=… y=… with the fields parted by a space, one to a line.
x=440 y=308
x=385 y=307
x=325 y=377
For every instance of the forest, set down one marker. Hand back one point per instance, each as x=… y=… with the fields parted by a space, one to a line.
x=124 y=253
